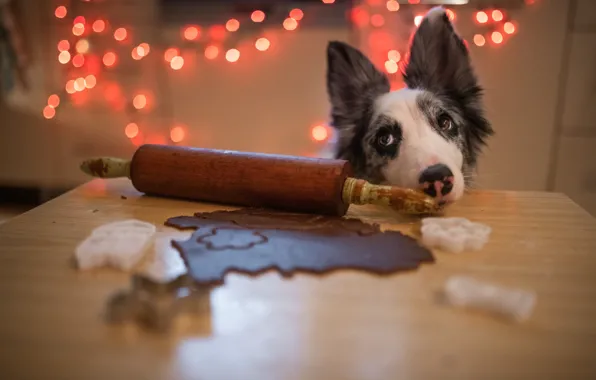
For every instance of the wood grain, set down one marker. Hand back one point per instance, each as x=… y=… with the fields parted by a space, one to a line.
x=301 y=184
x=345 y=325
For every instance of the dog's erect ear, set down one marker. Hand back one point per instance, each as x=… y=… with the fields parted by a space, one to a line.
x=353 y=84
x=438 y=58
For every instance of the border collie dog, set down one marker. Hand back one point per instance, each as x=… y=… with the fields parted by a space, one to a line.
x=427 y=135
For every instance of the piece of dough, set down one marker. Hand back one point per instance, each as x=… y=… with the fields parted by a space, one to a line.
x=454 y=234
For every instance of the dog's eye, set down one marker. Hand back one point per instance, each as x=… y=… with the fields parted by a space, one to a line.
x=386 y=139
x=445 y=123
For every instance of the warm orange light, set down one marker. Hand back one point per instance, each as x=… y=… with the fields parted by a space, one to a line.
x=297 y=14
x=139 y=101
x=232 y=25
x=82 y=46
x=79 y=20
x=70 y=88
x=79 y=84
x=509 y=27
x=359 y=16
x=450 y=14
x=170 y=53
x=479 y=40
x=78 y=29
x=99 y=26
x=290 y=24
x=63 y=45
x=328 y=1
x=392 y=6
x=131 y=130
x=262 y=44
x=481 y=17
x=53 y=100
x=211 y=52
x=144 y=49
x=49 y=112
x=319 y=133
x=414 y=1
x=418 y=20
x=64 y=57
x=177 y=134
x=90 y=81
x=497 y=37
x=394 y=55
x=177 y=62
x=497 y=15
x=60 y=11
x=391 y=66
x=377 y=20
x=191 y=33
x=257 y=16
x=78 y=60
x=232 y=55
x=120 y=34
x=109 y=59
x=217 y=32
x=135 y=54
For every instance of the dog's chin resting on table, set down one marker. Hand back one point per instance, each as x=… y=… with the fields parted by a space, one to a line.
x=427 y=135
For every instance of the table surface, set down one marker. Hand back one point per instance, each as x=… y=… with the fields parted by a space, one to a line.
x=345 y=325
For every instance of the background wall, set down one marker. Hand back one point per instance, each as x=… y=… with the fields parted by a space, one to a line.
x=540 y=95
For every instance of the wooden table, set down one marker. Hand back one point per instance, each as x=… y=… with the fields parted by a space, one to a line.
x=345 y=325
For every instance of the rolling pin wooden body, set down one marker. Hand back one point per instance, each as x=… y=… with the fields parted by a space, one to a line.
x=291 y=183
x=240 y=178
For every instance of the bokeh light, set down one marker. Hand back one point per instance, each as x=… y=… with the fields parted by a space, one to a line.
x=211 y=52
x=481 y=17
x=479 y=40
x=139 y=101
x=290 y=24
x=109 y=59
x=99 y=26
x=64 y=57
x=391 y=66
x=262 y=44
x=191 y=33
x=131 y=130
x=257 y=16
x=170 y=53
x=60 y=11
x=49 y=112
x=120 y=34
x=232 y=55
x=297 y=14
x=232 y=25
x=177 y=134
x=53 y=100
x=63 y=45
x=392 y=6
x=319 y=133
x=177 y=62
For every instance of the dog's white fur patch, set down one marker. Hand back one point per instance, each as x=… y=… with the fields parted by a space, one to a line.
x=421 y=145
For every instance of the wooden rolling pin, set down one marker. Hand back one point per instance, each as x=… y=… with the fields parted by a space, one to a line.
x=297 y=184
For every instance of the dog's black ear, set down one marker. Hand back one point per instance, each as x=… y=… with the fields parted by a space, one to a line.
x=353 y=84
x=438 y=58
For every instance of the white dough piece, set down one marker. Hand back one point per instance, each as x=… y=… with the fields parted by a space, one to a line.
x=165 y=263
x=119 y=244
x=454 y=234
x=514 y=304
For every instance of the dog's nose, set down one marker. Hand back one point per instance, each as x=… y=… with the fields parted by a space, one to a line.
x=437 y=179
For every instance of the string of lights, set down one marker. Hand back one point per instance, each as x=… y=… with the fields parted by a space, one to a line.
x=76 y=50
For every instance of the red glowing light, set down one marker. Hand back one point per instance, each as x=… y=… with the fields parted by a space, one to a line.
x=90 y=81
x=49 y=112
x=232 y=25
x=497 y=37
x=191 y=33
x=217 y=32
x=63 y=45
x=78 y=29
x=414 y=1
x=360 y=16
x=262 y=44
x=135 y=54
x=78 y=60
x=377 y=20
x=170 y=53
x=53 y=101
x=319 y=133
x=211 y=52
x=481 y=17
x=120 y=34
x=177 y=134
x=296 y=14
x=450 y=14
x=131 y=130
x=60 y=12
x=328 y=1
x=232 y=55
x=509 y=27
x=257 y=16
x=418 y=20
x=290 y=24
x=394 y=55
x=392 y=6
x=64 y=57
x=79 y=20
x=70 y=87
x=139 y=101
x=479 y=40
x=99 y=26
x=177 y=62
x=497 y=15
x=109 y=59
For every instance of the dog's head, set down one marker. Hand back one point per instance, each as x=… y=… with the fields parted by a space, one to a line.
x=427 y=135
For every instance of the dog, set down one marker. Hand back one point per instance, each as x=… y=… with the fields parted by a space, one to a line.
x=427 y=135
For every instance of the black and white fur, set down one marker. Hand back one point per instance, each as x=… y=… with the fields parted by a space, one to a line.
x=435 y=124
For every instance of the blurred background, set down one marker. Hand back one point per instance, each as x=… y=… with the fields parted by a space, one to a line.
x=82 y=78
